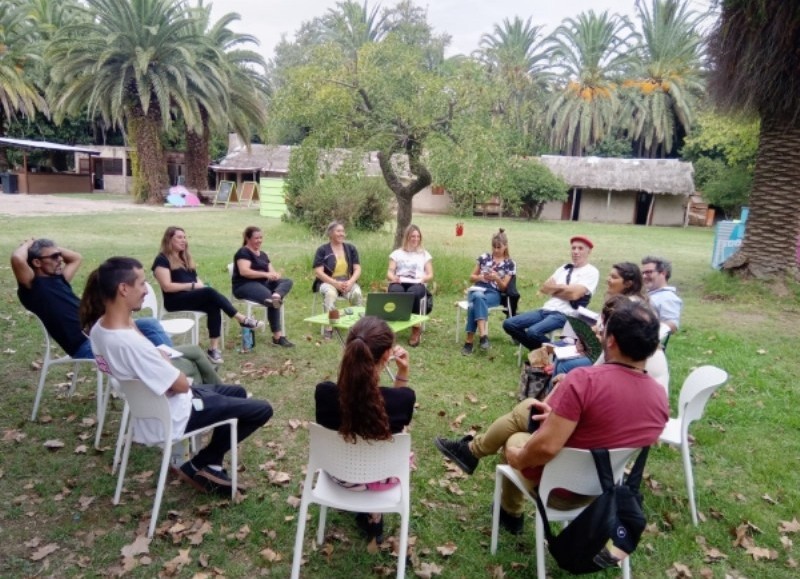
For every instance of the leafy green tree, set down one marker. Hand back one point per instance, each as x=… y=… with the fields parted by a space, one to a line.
x=755 y=65
x=666 y=79
x=392 y=101
x=729 y=189
x=132 y=63
x=19 y=93
x=731 y=138
x=591 y=54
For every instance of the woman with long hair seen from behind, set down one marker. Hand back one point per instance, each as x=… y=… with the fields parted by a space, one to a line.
x=490 y=277
x=255 y=279
x=410 y=269
x=357 y=406
x=176 y=273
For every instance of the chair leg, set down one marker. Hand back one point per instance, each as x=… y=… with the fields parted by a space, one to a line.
x=403 y=552
x=234 y=459
x=40 y=387
x=458 y=321
x=498 y=490
x=687 y=467
x=123 y=466
x=626 y=568
x=123 y=425
x=103 y=396
x=323 y=516
x=540 y=569
x=74 y=385
x=162 y=480
x=298 y=540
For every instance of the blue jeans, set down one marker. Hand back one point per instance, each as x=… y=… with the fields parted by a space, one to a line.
x=479 y=304
x=151 y=329
x=531 y=328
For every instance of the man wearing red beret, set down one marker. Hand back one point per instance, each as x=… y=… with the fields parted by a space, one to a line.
x=570 y=286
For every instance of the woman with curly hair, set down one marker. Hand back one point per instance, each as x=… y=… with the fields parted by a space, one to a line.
x=357 y=406
x=176 y=273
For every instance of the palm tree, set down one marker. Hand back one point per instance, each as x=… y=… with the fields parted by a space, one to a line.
x=591 y=52
x=514 y=58
x=131 y=62
x=755 y=67
x=240 y=106
x=19 y=94
x=661 y=96
x=351 y=26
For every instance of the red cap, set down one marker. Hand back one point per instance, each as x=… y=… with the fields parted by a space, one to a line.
x=584 y=240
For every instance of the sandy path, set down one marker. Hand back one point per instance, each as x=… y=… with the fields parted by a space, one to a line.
x=34 y=205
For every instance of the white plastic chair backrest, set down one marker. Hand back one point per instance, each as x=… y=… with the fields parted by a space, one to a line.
x=697 y=389
x=151 y=301
x=362 y=462
x=230 y=269
x=144 y=403
x=44 y=331
x=574 y=469
x=663 y=332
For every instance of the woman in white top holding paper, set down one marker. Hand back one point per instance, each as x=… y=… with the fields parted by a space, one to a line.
x=410 y=268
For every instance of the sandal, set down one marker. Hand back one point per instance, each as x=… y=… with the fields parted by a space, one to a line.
x=416 y=336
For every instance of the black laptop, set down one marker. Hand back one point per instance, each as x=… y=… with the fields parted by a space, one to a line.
x=390 y=307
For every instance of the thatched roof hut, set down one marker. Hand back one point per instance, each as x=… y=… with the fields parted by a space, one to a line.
x=639 y=191
x=669 y=176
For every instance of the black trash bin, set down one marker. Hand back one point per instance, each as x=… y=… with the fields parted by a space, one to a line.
x=10 y=182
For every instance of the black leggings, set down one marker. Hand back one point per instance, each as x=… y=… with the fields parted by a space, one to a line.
x=417 y=289
x=204 y=299
x=256 y=291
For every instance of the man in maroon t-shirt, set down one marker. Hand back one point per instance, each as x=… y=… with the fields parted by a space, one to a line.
x=613 y=405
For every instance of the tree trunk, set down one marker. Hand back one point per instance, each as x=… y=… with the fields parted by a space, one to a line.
x=197 y=156
x=404 y=194
x=771 y=234
x=150 y=169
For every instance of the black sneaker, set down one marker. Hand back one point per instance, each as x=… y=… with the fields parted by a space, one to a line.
x=214 y=481
x=458 y=452
x=484 y=343
x=282 y=342
x=188 y=474
x=466 y=350
x=514 y=524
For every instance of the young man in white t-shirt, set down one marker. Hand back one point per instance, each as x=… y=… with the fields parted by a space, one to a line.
x=121 y=351
x=570 y=285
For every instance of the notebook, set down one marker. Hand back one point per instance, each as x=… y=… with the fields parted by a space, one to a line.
x=390 y=307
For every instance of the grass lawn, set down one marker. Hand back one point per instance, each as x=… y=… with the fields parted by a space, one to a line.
x=56 y=516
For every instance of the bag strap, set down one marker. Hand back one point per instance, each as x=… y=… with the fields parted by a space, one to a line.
x=605 y=474
x=634 y=479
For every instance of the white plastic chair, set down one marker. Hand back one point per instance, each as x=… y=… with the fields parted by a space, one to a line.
x=143 y=403
x=49 y=361
x=572 y=469
x=250 y=305
x=363 y=462
x=463 y=306
x=695 y=392
x=172 y=326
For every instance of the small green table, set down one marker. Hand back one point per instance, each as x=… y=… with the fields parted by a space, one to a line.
x=345 y=322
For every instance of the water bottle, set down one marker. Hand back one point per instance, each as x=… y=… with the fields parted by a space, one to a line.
x=248 y=340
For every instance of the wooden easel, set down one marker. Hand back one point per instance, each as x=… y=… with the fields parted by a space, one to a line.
x=249 y=192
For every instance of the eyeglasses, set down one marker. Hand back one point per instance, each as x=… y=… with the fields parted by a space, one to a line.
x=497 y=245
x=56 y=256
x=649 y=271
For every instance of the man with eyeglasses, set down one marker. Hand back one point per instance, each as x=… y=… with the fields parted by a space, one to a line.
x=664 y=299
x=570 y=287
x=44 y=272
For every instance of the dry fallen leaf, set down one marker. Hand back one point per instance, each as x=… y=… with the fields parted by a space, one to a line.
x=679 y=570
x=81 y=449
x=789 y=527
x=53 y=444
x=43 y=552
x=759 y=553
x=279 y=478
x=139 y=546
x=769 y=499
x=294 y=423
x=457 y=422
x=270 y=555
x=447 y=549
x=427 y=570
x=173 y=567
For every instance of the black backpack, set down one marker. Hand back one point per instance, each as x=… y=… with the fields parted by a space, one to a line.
x=606 y=531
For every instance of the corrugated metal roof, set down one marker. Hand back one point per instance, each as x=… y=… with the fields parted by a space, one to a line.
x=26 y=144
